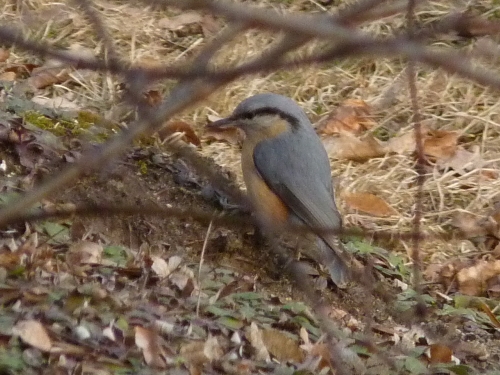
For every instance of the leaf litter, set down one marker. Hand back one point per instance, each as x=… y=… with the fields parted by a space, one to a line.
x=115 y=271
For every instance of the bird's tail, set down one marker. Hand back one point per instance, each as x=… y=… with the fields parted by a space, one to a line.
x=331 y=252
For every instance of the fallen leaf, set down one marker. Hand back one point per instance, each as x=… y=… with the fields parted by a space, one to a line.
x=440 y=144
x=43 y=77
x=177 y=22
x=184 y=280
x=473 y=225
x=173 y=127
x=153 y=97
x=488 y=175
x=212 y=349
x=33 y=333
x=432 y=272
x=164 y=269
x=21 y=70
x=493 y=287
x=439 y=353
x=368 y=203
x=463 y=161
x=254 y=335
x=198 y=353
x=4 y=54
x=148 y=341
x=347 y=146
x=448 y=272
x=402 y=144
x=470 y=224
x=84 y=252
x=472 y=281
x=281 y=346
x=315 y=350
x=352 y=116
x=193 y=353
x=8 y=76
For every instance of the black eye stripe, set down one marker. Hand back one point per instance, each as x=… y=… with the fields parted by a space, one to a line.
x=269 y=111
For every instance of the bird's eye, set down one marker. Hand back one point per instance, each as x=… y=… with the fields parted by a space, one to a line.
x=248 y=115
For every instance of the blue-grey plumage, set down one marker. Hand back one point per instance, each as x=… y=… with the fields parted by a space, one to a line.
x=287 y=173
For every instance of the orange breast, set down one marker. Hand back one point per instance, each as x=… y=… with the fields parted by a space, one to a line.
x=270 y=210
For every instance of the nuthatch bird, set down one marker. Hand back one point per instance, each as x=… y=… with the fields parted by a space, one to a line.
x=287 y=174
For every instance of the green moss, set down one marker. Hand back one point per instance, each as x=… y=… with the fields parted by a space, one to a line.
x=55 y=126
x=382 y=133
x=83 y=124
x=143 y=166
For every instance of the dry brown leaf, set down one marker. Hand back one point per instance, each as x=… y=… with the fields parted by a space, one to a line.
x=493 y=288
x=9 y=260
x=153 y=97
x=473 y=280
x=44 y=77
x=463 y=161
x=8 y=76
x=184 y=279
x=473 y=225
x=488 y=175
x=470 y=224
x=315 y=350
x=173 y=127
x=254 y=335
x=281 y=346
x=33 y=333
x=148 y=341
x=352 y=116
x=440 y=144
x=212 y=349
x=439 y=353
x=448 y=272
x=368 y=203
x=4 y=54
x=402 y=144
x=193 y=353
x=21 y=70
x=347 y=146
x=432 y=272
x=84 y=252
x=197 y=353
x=164 y=269
x=177 y=22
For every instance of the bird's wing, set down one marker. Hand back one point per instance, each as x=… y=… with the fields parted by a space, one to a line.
x=296 y=168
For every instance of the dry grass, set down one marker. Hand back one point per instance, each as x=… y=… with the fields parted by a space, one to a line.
x=446 y=102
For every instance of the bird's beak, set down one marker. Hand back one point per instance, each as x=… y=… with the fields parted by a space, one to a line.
x=224 y=123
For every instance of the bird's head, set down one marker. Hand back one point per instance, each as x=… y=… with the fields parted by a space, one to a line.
x=265 y=114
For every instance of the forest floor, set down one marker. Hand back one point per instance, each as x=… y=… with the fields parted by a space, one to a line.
x=102 y=293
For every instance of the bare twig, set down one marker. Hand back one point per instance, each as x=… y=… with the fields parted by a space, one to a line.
x=200 y=265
